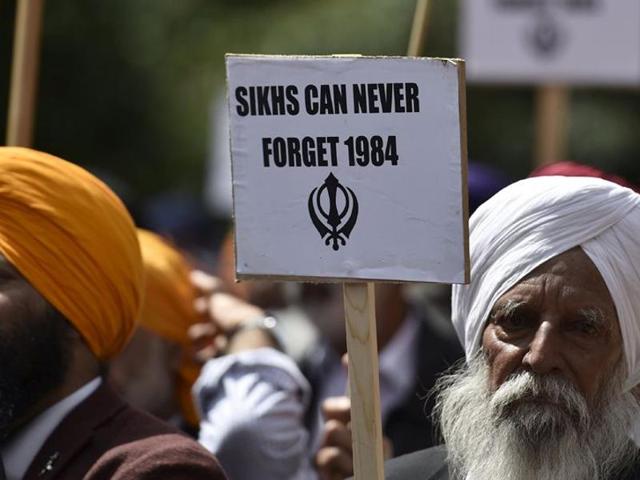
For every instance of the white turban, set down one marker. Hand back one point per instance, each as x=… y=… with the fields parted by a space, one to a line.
x=534 y=220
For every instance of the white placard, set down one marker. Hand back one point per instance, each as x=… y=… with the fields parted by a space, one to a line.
x=348 y=168
x=552 y=41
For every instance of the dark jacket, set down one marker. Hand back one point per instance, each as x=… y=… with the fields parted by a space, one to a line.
x=104 y=438
x=409 y=426
x=431 y=464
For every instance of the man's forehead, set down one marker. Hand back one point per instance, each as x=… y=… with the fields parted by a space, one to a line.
x=574 y=259
x=574 y=268
x=4 y=263
x=571 y=276
x=6 y=267
x=10 y=275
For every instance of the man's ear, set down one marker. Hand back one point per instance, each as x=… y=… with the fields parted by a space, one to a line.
x=84 y=364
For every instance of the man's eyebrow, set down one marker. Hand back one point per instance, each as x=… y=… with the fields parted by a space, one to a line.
x=593 y=315
x=507 y=308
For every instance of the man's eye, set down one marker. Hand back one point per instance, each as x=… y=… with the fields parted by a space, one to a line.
x=586 y=328
x=514 y=321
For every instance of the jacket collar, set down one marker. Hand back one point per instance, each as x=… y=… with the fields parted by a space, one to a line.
x=75 y=430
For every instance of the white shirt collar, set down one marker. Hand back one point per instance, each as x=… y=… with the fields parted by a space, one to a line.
x=19 y=452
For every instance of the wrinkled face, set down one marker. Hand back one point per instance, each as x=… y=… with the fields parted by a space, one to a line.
x=559 y=320
x=34 y=347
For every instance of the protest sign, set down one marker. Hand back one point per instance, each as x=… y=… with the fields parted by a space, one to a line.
x=552 y=41
x=348 y=168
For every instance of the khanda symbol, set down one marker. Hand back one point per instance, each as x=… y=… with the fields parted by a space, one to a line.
x=335 y=224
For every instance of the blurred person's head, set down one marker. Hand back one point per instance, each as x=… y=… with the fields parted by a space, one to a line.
x=573 y=169
x=551 y=331
x=324 y=305
x=70 y=281
x=155 y=371
x=484 y=181
x=265 y=294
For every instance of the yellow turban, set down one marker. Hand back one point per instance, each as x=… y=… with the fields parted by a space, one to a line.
x=168 y=308
x=74 y=241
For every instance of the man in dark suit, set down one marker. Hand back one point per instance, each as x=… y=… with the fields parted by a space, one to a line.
x=407 y=427
x=70 y=292
x=549 y=324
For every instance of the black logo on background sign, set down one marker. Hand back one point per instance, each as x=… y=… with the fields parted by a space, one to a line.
x=547 y=35
x=335 y=223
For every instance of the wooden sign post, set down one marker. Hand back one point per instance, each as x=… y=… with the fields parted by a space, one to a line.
x=362 y=342
x=552 y=44
x=24 y=74
x=419 y=28
x=364 y=380
x=552 y=105
x=351 y=170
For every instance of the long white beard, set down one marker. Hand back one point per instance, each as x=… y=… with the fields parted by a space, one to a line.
x=534 y=427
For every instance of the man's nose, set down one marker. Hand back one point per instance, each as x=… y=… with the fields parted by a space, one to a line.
x=545 y=351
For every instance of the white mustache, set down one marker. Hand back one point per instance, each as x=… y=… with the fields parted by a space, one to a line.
x=552 y=394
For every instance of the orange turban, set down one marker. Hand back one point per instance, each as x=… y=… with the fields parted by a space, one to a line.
x=74 y=241
x=169 y=309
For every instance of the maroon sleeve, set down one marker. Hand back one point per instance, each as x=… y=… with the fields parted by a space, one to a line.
x=166 y=457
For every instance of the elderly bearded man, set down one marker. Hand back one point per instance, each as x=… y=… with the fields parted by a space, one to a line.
x=551 y=328
x=71 y=282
